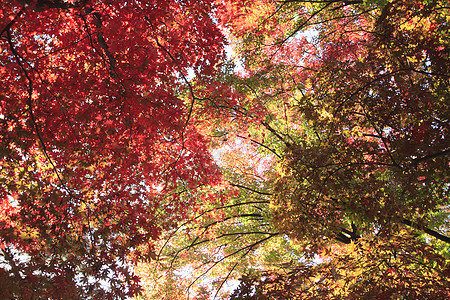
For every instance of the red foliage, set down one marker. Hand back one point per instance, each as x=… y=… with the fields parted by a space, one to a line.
x=94 y=130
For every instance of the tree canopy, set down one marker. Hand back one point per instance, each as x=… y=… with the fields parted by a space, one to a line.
x=97 y=137
x=168 y=149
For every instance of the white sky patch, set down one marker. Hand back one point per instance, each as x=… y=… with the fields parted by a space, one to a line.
x=231 y=55
x=13 y=202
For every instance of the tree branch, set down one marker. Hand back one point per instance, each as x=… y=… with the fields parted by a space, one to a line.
x=250 y=189
x=416 y=161
x=431 y=232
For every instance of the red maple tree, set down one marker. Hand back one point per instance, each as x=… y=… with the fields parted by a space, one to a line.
x=97 y=137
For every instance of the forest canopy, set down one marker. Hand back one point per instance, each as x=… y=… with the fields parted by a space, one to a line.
x=224 y=149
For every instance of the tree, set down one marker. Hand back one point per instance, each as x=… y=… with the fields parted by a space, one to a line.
x=110 y=110
x=363 y=116
x=377 y=109
x=97 y=137
x=350 y=100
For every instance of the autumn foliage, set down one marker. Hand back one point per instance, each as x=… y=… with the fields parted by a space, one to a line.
x=308 y=163
x=361 y=109
x=97 y=136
